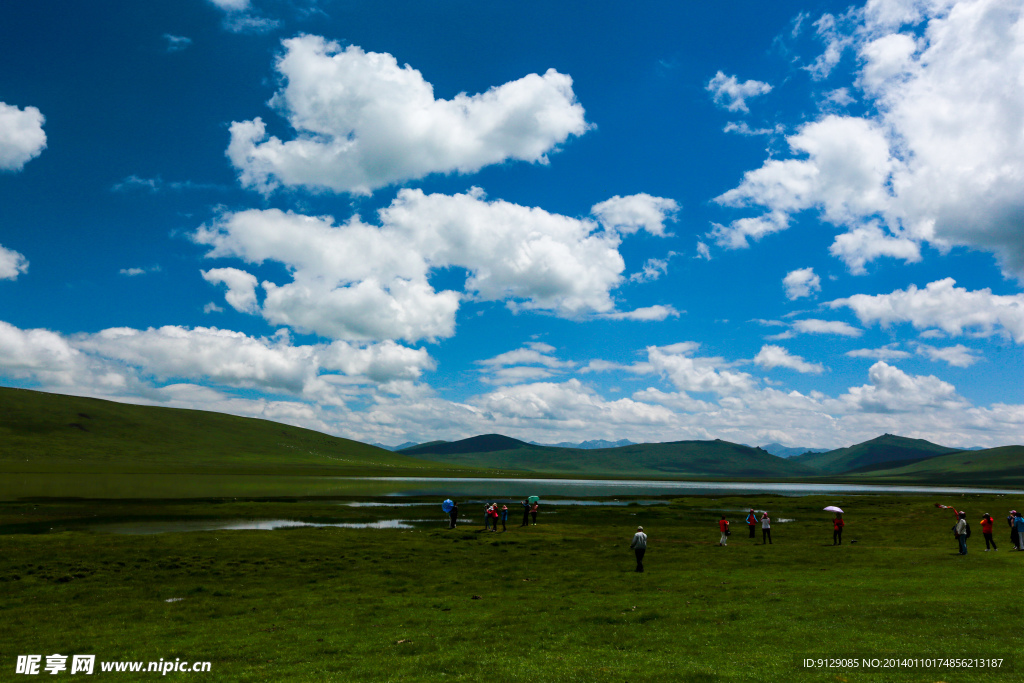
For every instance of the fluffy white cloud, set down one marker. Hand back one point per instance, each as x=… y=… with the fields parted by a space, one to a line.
x=12 y=264
x=771 y=356
x=942 y=161
x=241 y=287
x=801 y=283
x=693 y=373
x=942 y=305
x=21 y=136
x=958 y=356
x=534 y=353
x=363 y=122
x=893 y=391
x=364 y=282
x=657 y=312
x=887 y=352
x=627 y=215
x=231 y=5
x=36 y=353
x=815 y=326
x=728 y=92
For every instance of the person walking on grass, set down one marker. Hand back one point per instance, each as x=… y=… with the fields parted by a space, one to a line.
x=533 y=512
x=837 y=529
x=1018 y=524
x=493 y=513
x=960 y=531
x=639 y=546
x=723 y=526
x=1014 y=536
x=986 y=531
x=766 y=529
x=752 y=521
x=504 y=517
x=526 y=512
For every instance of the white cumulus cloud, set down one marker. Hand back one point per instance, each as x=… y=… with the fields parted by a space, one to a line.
x=801 y=283
x=942 y=159
x=363 y=122
x=12 y=264
x=21 y=136
x=943 y=306
x=364 y=282
x=728 y=92
x=771 y=356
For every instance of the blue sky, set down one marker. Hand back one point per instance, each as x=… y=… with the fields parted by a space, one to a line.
x=793 y=222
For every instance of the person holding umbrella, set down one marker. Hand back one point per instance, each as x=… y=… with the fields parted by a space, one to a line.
x=639 y=546
x=837 y=525
x=751 y=521
x=452 y=508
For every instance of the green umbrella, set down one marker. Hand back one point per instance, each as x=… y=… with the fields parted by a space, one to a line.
x=533 y=499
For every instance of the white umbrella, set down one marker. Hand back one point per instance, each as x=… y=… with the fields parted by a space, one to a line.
x=833 y=508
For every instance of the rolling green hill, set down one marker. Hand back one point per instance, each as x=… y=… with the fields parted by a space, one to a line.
x=992 y=467
x=41 y=432
x=673 y=459
x=879 y=452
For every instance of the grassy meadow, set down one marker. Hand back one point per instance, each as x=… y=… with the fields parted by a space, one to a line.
x=554 y=602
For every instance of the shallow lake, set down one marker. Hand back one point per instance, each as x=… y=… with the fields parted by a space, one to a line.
x=121 y=486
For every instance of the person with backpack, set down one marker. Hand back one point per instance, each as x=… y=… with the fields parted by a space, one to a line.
x=1018 y=524
x=961 y=531
x=837 y=529
x=1014 y=536
x=751 y=521
x=723 y=526
x=639 y=546
x=986 y=531
x=766 y=529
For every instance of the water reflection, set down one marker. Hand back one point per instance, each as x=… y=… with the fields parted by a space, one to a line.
x=172 y=526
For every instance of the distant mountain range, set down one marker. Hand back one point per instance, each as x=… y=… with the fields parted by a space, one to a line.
x=593 y=443
x=674 y=459
x=790 y=451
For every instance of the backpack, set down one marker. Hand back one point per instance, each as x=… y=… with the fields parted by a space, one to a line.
x=968 y=529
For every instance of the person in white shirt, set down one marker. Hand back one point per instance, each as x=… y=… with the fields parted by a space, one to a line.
x=961 y=532
x=766 y=529
x=639 y=546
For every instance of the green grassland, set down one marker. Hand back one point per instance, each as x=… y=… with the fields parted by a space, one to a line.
x=68 y=435
x=989 y=467
x=553 y=602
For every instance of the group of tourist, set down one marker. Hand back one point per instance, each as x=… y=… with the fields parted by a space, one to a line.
x=493 y=514
x=962 y=530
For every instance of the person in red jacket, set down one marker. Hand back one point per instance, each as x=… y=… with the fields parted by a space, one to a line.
x=986 y=531
x=723 y=526
x=837 y=529
x=752 y=521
